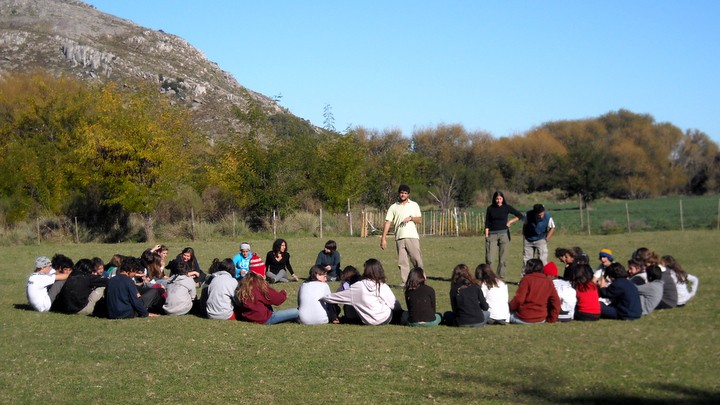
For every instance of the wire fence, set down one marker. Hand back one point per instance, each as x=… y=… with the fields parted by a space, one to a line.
x=672 y=213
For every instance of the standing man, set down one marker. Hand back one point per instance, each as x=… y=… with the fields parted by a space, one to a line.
x=404 y=215
x=537 y=231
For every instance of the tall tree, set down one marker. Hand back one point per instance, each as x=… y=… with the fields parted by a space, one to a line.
x=135 y=150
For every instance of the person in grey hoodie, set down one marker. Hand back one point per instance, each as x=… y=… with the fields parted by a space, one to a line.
x=180 y=291
x=220 y=290
x=651 y=293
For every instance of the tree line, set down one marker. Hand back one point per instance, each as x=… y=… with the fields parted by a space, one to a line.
x=102 y=152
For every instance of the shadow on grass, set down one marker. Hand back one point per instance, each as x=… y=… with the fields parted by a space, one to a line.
x=24 y=307
x=539 y=385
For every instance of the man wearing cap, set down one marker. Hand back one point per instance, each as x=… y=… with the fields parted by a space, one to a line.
x=39 y=282
x=537 y=230
x=404 y=215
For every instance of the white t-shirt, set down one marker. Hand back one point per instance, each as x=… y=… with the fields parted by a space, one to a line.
x=397 y=213
x=311 y=309
x=568 y=298
x=37 y=290
x=497 y=299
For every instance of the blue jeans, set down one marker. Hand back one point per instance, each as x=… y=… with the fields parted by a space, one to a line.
x=284 y=315
x=514 y=319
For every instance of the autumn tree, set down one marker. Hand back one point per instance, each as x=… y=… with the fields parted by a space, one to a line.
x=699 y=158
x=135 y=150
x=39 y=115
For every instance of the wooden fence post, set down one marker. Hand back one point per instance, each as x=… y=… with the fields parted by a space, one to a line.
x=627 y=214
x=682 y=220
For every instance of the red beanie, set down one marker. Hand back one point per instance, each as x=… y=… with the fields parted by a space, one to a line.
x=550 y=269
x=257 y=266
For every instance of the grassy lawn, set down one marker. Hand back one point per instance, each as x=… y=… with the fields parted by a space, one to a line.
x=670 y=356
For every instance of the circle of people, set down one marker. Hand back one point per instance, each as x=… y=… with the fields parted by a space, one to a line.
x=240 y=289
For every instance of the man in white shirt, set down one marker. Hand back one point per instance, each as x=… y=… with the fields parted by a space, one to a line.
x=38 y=283
x=404 y=215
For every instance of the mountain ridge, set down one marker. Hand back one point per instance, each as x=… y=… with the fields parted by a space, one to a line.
x=74 y=38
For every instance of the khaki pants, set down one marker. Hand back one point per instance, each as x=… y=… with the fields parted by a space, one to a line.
x=93 y=298
x=408 y=250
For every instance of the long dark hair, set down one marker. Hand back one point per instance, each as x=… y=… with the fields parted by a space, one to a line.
x=461 y=273
x=675 y=266
x=373 y=270
x=581 y=277
x=277 y=244
x=487 y=276
x=415 y=279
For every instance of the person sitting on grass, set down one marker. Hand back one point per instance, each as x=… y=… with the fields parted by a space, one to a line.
x=279 y=269
x=313 y=311
x=420 y=301
x=181 y=291
x=606 y=259
x=257 y=298
x=469 y=307
x=121 y=294
x=636 y=272
x=219 y=290
x=82 y=290
x=686 y=284
x=63 y=266
x=566 y=292
x=242 y=260
x=188 y=255
x=567 y=256
x=536 y=300
x=38 y=283
x=496 y=294
x=371 y=297
x=112 y=265
x=588 y=300
x=349 y=276
x=98 y=266
x=329 y=258
x=651 y=293
x=623 y=295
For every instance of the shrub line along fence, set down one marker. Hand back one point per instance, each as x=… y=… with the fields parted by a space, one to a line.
x=601 y=218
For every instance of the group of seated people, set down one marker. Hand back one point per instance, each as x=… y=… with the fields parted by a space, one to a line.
x=240 y=289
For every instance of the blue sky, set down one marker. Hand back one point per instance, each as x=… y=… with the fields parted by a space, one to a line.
x=498 y=66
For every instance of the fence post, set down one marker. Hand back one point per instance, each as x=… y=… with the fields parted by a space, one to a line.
x=274 y=225
x=192 y=223
x=77 y=236
x=321 y=230
x=349 y=213
x=587 y=210
x=682 y=220
x=627 y=213
x=457 y=228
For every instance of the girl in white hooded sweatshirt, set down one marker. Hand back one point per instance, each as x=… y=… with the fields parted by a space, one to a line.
x=371 y=297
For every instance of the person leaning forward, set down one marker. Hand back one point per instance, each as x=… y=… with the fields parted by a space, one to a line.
x=404 y=215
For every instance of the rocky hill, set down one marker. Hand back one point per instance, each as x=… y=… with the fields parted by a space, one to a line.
x=73 y=38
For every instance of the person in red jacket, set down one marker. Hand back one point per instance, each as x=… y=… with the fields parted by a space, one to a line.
x=536 y=300
x=257 y=298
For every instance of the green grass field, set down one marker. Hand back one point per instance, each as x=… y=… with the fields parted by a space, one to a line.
x=670 y=356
